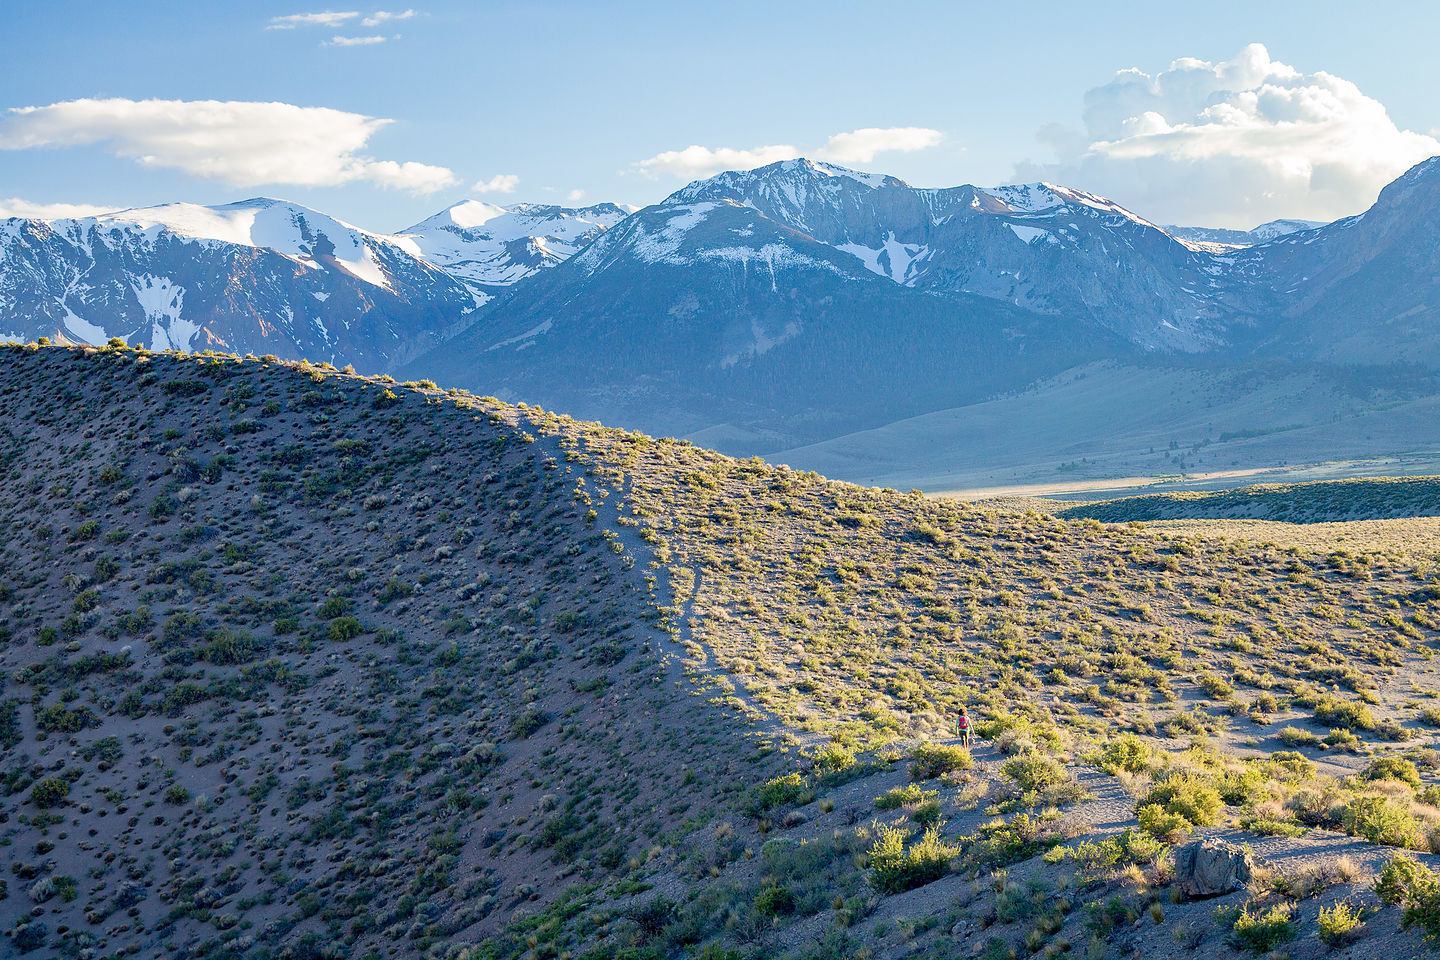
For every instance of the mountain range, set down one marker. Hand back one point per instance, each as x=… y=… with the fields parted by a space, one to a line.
x=762 y=311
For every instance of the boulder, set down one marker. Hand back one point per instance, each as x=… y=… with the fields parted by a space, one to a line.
x=1210 y=867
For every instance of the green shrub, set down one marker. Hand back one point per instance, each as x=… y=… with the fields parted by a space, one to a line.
x=1128 y=753
x=344 y=628
x=1383 y=821
x=1344 y=713
x=1393 y=768
x=50 y=792
x=1339 y=923
x=1034 y=771
x=1297 y=737
x=930 y=760
x=1161 y=823
x=903 y=796
x=775 y=901
x=896 y=868
x=177 y=795
x=791 y=790
x=1416 y=889
x=1188 y=796
x=1263 y=932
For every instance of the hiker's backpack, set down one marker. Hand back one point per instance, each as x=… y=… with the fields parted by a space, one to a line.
x=962 y=723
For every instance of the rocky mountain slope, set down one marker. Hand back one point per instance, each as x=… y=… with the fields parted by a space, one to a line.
x=304 y=664
x=490 y=246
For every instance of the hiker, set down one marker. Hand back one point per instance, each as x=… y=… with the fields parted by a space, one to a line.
x=962 y=727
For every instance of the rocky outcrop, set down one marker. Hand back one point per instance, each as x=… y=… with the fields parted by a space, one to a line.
x=1212 y=868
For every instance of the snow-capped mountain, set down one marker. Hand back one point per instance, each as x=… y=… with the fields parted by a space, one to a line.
x=801 y=297
x=489 y=246
x=694 y=313
x=1219 y=239
x=790 y=301
x=261 y=276
x=1039 y=246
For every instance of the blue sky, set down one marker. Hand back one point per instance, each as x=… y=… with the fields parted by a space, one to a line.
x=596 y=101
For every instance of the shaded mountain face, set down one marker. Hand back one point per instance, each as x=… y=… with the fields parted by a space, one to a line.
x=489 y=246
x=259 y=276
x=1365 y=290
x=689 y=315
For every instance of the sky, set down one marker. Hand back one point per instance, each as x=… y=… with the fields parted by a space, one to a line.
x=1216 y=114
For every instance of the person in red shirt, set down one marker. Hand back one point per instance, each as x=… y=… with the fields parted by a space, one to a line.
x=962 y=727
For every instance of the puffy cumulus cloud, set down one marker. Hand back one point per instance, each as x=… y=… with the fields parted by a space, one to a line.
x=1232 y=144
x=500 y=183
x=860 y=146
x=239 y=143
x=15 y=207
x=575 y=196
x=857 y=146
x=325 y=18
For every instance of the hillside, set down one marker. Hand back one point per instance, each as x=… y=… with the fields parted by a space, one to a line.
x=299 y=663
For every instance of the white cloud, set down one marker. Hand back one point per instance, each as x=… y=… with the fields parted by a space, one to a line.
x=239 y=143
x=697 y=161
x=500 y=183
x=575 y=196
x=384 y=16
x=353 y=41
x=1232 y=144
x=327 y=18
x=15 y=207
x=857 y=146
x=860 y=146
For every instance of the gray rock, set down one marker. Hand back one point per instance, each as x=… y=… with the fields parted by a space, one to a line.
x=1209 y=867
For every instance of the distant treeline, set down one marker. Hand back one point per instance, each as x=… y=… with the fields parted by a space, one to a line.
x=1319 y=502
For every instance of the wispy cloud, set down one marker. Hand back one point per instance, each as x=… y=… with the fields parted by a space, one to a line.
x=500 y=183
x=326 y=18
x=856 y=146
x=239 y=143
x=385 y=16
x=354 y=41
x=575 y=196
x=1233 y=144
x=15 y=207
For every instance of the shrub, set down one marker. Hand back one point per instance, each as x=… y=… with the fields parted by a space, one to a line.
x=1297 y=737
x=1344 y=713
x=1128 y=753
x=1393 y=768
x=1416 y=889
x=344 y=628
x=775 y=901
x=177 y=794
x=903 y=796
x=1339 y=924
x=787 y=791
x=1161 y=823
x=50 y=792
x=1188 y=796
x=1034 y=771
x=930 y=760
x=527 y=722
x=1262 y=932
x=896 y=868
x=1383 y=821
